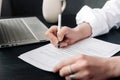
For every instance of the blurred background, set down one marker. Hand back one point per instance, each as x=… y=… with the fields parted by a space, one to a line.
x=24 y=8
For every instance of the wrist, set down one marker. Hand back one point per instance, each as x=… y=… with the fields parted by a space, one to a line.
x=84 y=29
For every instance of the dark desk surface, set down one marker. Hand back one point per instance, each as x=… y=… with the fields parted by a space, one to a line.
x=13 y=68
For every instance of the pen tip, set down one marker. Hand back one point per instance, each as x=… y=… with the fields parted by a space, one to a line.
x=58 y=44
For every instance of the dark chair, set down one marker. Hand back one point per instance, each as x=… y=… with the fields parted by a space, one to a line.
x=26 y=7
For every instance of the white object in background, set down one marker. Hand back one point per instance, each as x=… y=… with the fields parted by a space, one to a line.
x=52 y=8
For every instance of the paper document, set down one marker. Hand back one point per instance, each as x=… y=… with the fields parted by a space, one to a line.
x=46 y=57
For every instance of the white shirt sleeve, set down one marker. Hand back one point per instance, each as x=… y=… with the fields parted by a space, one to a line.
x=101 y=20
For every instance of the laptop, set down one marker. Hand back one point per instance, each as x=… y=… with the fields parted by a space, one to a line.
x=21 y=31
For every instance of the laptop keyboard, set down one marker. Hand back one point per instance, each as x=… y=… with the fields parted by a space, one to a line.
x=14 y=31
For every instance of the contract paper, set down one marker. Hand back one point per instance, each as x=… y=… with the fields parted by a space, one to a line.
x=46 y=57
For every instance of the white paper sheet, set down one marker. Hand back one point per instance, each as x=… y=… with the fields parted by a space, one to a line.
x=46 y=57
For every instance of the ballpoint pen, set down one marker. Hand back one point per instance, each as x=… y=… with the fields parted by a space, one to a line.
x=59 y=26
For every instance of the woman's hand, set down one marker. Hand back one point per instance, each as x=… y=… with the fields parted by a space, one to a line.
x=67 y=35
x=83 y=67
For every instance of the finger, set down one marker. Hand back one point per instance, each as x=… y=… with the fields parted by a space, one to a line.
x=71 y=77
x=63 y=31
x=65 y=71
x=73 y=68
x=82 y=75
x=80 y=70
x=51 y=34
x=79 y=65
x=63 y=44
x=65 y=62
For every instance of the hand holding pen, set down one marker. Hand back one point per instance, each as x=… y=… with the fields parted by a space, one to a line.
x=64 y=36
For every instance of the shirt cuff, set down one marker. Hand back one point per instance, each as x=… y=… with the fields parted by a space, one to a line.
x=96 y=20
